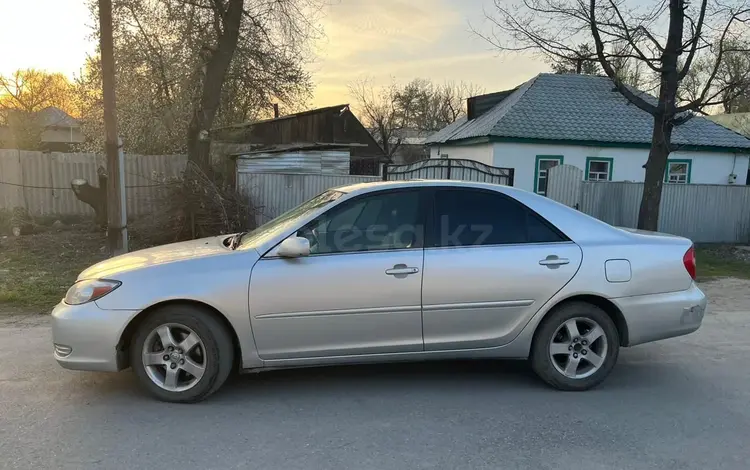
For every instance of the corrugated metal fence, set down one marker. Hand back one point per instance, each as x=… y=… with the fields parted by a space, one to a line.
x=272 y=194
x=40 y=182
x=705 y=213
x=314 y=162
x=564 y=184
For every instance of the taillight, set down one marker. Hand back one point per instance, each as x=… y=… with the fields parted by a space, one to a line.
x=689 y=261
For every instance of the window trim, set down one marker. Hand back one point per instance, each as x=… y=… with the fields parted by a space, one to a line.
x=430 y=228
x=539 y=158
x=688 y=161
x=422 y=205
x=610 y=166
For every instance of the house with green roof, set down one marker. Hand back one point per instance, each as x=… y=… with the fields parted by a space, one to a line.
x=581 y=120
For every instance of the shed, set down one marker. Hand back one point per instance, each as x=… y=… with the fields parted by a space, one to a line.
x=314 y=158
x=333 y=127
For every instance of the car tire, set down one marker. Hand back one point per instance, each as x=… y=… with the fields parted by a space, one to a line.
x=554 y=348
x=214 y=353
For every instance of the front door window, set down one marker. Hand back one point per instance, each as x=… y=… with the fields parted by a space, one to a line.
x=382 y=221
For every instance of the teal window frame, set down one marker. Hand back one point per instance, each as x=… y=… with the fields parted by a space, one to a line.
x=688 y=161
x=539 y=158
x=610 y=168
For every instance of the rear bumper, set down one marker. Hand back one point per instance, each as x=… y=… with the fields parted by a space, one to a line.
x=660 y=316
x=85 y=336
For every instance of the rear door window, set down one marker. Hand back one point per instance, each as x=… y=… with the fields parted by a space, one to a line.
x=473 y=217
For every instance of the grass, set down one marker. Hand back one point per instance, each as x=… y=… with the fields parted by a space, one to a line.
x=720 y=261
x=36 y=270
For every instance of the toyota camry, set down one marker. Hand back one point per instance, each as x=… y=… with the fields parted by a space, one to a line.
x=381 y=272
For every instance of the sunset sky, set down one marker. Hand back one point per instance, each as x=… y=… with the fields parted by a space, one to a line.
x=383 y=39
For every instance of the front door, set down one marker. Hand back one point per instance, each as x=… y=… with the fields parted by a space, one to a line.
x=359 y=291
x=490 y=264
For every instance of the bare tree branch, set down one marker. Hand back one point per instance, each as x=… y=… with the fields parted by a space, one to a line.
x=695 y=39
x=701 y=100
x=621 y=87
x=628 y=36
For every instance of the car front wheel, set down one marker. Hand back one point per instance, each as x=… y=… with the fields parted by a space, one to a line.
x=181 y=353
x=575 y=347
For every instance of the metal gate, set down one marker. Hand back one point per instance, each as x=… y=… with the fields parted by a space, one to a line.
x=449 y=169
x=564 y=184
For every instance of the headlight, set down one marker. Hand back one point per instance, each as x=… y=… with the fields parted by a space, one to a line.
x=86 y=291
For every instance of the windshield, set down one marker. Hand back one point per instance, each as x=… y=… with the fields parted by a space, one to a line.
x=288 y=219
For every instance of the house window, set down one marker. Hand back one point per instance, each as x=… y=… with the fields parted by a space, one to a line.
x=678 y=171
x=544 y=163
x=599 y=169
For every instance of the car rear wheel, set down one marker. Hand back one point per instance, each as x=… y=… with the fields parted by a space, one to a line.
x=575 y=347
x=181 y=353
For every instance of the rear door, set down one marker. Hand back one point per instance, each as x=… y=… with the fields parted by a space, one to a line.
x=490 y=264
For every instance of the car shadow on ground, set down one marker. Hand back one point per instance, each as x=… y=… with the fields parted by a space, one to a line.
x=393 y=379
x=402 y=374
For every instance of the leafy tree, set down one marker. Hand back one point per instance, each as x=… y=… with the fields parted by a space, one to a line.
x=187 y=66
x=23 y=94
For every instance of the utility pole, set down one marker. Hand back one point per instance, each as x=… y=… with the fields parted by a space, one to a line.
x=117 y=231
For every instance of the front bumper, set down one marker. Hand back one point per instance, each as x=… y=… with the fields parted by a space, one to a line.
x=660 y=316
x=85 y=337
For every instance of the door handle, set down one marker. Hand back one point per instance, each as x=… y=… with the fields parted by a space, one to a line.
x=552 y=261
x=401 y=270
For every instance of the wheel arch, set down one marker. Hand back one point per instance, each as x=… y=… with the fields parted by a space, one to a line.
x=603 y=303
x=127 y=335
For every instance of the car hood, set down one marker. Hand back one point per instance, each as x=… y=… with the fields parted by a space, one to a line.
x=164 y=254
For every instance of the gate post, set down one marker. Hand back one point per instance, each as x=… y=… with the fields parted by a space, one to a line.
x=511 y=176
x=449 y=168
x=385 y=172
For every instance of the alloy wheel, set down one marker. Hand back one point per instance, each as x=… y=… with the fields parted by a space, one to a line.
x=578 y=348
x=174 y=357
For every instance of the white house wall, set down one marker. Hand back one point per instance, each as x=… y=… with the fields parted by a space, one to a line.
x=707 y=167
x=481 y=153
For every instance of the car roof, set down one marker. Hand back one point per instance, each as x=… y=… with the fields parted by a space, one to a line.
x=580 y=227
x=377 y=185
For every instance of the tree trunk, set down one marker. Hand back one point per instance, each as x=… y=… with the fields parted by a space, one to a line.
x=385 y=138
x=648 y=216
x=661 y=138
x=214 y=74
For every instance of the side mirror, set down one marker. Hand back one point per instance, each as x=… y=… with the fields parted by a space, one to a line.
x=294 y=247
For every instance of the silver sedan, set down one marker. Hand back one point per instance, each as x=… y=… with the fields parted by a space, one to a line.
x=378 y=272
